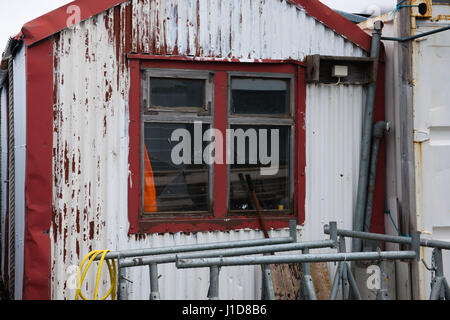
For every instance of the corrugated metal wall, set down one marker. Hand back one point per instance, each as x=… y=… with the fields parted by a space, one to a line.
x=20 y=140
x=91 y=128
x=333 y=137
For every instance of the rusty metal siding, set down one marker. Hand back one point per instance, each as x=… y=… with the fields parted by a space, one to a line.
x=231 y=29
x=90 y=160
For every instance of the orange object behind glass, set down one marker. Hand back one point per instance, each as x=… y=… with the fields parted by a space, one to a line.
x=149 y=186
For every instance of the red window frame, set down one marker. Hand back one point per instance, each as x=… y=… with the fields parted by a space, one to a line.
x=221 y=220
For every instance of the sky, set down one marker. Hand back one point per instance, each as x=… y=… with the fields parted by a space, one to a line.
x=15 y=13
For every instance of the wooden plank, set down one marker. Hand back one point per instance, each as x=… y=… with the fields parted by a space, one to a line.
x=286 y=281
x=321 y=280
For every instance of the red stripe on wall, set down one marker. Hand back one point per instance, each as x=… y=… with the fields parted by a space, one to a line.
x=300 y=185
x=220 y=123
x=379 y=193
x=134 y=183
x=38 y=180
x=64 y=17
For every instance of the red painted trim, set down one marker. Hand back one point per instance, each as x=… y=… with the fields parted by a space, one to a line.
x=379 y=193
x=300 y=185
x=220 y=123
x=132 y=56
x=221 y=220
x=38 y=180
x=211 y=224
x=336 y=22
x=134 y=180
x=62 y=18
x=59 y=19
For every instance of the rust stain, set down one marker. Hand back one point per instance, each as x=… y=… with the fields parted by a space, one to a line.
x=54 y=224
x=77 y=248
x=91 y=230
x=65 y=244
x=77 y=221
x=66 y=163
x=440 y=17
x=105 y=126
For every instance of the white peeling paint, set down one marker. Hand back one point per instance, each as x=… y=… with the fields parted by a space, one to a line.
x=91 y=160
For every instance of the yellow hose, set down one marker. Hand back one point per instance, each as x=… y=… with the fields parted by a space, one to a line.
x=112 y=275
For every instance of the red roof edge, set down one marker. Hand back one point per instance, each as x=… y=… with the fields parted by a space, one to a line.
x=63 y=17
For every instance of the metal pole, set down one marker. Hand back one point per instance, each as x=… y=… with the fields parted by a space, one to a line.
x=122 y=294
x=383 y=293
x=333 y=233
x=336 y=282
x=196 y=247
x=325 y=257
x=439 y=274
x=268 y=289
x=213 y=293
x=154 y=286
x=388 y=238
x=416 y=36
x=378 y=131
x=344 y=273
x=355 y=290
x=436 y=290
x=358 y=224
x=293 y=230
x=227 y=253
x=307 y=285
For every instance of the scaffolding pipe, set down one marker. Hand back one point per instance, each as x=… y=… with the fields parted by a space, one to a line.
x=196 y=247
x=154 y=286
x=326 y=257
x=366 y=140
x=213 y=293
x=388 y=238
x=227 y=253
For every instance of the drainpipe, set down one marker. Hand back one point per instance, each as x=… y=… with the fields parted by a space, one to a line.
x=378 y=132
x=358 y=224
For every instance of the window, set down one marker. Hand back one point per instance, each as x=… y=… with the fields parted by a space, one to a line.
x=172 y=101
x=260 y=118
x=200 y=130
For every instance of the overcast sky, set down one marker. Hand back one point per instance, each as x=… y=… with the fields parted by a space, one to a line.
x=15 y=13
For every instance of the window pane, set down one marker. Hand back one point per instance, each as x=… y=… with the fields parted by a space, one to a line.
x=177 y=93
x=273 y=190
x=171 y=187
x=260 y=96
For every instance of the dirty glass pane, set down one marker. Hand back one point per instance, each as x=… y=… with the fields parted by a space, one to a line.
x=273 y=190
x=174 y=187
x=177 y=93
x=259 y=96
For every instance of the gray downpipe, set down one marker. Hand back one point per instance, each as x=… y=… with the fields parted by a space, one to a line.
x=378 y=132
x=358 y=223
